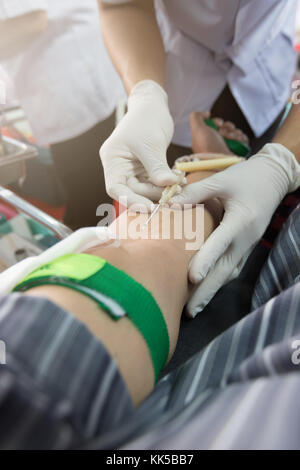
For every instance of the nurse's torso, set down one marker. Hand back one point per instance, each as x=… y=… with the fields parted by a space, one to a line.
x=247 y=44
x=209 y=22
x=65 y=79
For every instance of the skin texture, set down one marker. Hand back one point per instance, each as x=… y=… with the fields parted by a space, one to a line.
x=133 y=40
x=289 y=135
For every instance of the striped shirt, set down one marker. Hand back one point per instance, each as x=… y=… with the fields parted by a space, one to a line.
x=61 y=389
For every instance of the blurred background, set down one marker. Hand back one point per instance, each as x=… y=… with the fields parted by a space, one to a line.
x=60 y=98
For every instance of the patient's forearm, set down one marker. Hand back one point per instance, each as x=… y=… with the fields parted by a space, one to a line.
x=161 y=266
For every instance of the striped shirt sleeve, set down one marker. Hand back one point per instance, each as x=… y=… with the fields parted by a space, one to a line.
x=59 y=387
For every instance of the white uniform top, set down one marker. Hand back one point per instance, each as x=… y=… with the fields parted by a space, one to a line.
x=247 y=44
x=64 y=80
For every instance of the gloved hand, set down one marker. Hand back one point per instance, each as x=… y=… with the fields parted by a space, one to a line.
x=250 y=193
x=136 y=150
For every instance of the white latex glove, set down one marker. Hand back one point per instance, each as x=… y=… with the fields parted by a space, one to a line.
x=135 y=153
x=250 y=193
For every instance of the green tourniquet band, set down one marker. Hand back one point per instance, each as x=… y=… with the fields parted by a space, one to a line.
x=79 y=271
x=238 y=148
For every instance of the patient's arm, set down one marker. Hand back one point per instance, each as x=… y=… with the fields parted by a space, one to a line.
x=162 y=267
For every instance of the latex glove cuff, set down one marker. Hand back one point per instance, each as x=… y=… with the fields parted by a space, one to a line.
x=147 y=89
x=286 y=159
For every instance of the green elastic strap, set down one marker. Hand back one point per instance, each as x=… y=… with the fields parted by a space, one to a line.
x=236 y=147
x=91 y=275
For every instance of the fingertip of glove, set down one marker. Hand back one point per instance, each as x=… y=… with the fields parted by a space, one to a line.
x=165 y=178
x=192 y=312
x=197 y=274
x=195 y=277
x=181 y=176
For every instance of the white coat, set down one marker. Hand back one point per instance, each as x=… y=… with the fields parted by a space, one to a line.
x=64 y=80
x=247 y=44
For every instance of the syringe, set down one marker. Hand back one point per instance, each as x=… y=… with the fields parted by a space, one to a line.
x=167 y=194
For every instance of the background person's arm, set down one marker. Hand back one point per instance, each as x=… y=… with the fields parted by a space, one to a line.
x=133 y=39
x=18 y=32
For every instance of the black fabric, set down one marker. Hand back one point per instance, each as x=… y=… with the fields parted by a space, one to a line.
x=230 y=304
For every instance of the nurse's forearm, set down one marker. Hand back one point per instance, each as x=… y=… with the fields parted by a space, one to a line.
x=289 y=134
x=17 y=33
x=133 y=40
